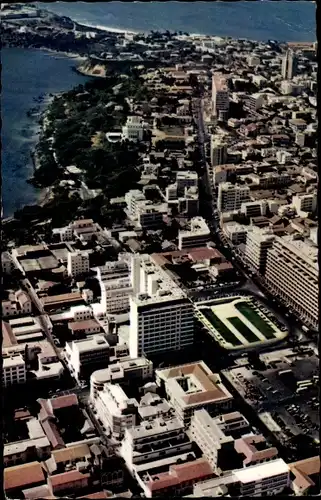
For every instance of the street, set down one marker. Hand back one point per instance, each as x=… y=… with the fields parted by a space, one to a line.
x=253 y=284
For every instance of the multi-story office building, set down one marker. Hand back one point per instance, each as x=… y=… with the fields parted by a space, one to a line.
x=254 y=208
x=152 y=441
x=161 y=316
x=258 y=243
x=186 y=179
x=13 y=370
x=115 y=410
x=289 y=65
x=268 y=478
x=235 y=232
x=210 y=438
x=198 y=235
x=123 y=371
x=116 y=287
x=77 y=263
x=220 y=96
x=292 y=272
x=87 y=355
x=218 y=151
x=192 y=387
x=231 y=196
x=305 y=204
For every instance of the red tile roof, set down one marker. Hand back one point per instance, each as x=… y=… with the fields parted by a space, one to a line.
x=23 y=475
x=53 y=434
x=180 y=473
x=67 y=477
x=64 y=401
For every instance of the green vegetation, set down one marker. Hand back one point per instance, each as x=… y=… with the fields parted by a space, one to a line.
x=226 y=333
x=243 y=329
x=74 y=133
x=252 y=316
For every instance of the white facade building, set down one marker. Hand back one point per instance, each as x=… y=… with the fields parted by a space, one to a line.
x=161 y=316
x=134 y=129
x=220 y=96
x=153 y=441
x=209 y=437
x=116 y=286
x=84 y=356
x=258 y=242
x=77 y=263
x=235 y=232
x=231 y=196
x=186 y=179
x=115 y=410
x=198 y=235
x=218 y=151
x=269 y=478
x=305 y=204
x=292 y=272
x=13 y=370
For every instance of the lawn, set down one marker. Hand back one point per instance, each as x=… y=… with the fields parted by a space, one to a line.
x=226 y=333
x=252 y=316
x=243 y=329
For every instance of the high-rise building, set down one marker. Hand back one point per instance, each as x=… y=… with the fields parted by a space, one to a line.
x=218 y=152
x=292 y=272
x=231 y=196
x=220 y=96
x=289 y=65
x=115 y=284
x=258 y=242
x=77 y=263
x=161 y=316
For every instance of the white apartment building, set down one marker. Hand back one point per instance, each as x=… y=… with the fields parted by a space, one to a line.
x=153 y=441
x=77 y=263
x=132 y=199
x=218 y=151
x=134 y=129
x=235 y=232
x=13 y=370
x=186 y=179
x=305 y=204
x=220 y=96
x=209 y=437
x=254 y=208
x=124 y=370
x=258 y=243
x=115 y=410
x=192 y=387
x=115 y=285
x=171 y=192
x=292 y=272
x=231 y=196
x=300 y=139
x=269 y=478
x=198 y=235
x=255 y=101
x=161 y=316
x=81 y=313
x=264 y=479
x=69 y=233
x=84 y=356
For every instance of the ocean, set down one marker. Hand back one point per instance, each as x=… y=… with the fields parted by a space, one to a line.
x=26 y=74
x=261 y=20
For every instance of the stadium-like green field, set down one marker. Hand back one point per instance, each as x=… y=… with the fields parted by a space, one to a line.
x=236 y=324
